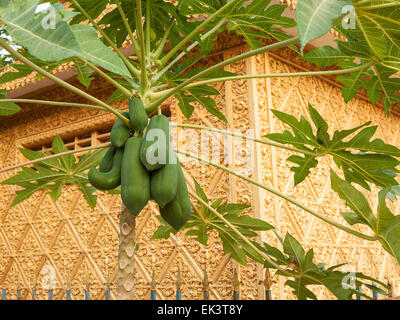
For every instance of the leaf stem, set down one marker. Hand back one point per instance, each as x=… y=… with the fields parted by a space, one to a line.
x=150 y=108
x=377 y=6
x=270 y=143
x=161 y=45
x=128 y=28
x=148 y=28
x=60 y=82
x=53 y=103
x=281 y=75
x=281 y=195
x=140 y=32
x=57 y=155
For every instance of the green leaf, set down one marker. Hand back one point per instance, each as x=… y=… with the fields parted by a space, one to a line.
x=388 y=227
x=232 y=208
x=8 y=108
x=374 y=37
x=293 y=248
x=385 y=86
x=353 y=218
x=93 y=8
x=354 y=199
x=249 y=223
x=84 y=73
x=96 y=52
x=253 y=20
x=324 y=56
x=53 y=174
x=361 y=159
x=164 y=231
x=305 y=164
x=67 y=161
x=315 y=18
x=308 y=275
x=185 y=104
x=48 y=44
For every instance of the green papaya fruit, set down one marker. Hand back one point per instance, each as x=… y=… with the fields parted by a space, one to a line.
x=164 y=182
x=137 y=113
x=107 y=161
x=120 y=132
x=135 y=179
x=154 y=151
x=107 y=180
x=178 y=211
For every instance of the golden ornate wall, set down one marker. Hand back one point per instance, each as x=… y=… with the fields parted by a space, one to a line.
x=81 y=244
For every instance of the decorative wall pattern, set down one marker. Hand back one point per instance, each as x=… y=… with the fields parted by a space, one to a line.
x=82 y=245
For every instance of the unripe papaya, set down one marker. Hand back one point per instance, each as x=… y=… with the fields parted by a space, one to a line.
x=107 y=161
x=120 y=132
x=155 y=146
x=178 y=211
x=164 y=182
x=135 y=179
x=107 y=180
x=137 y=113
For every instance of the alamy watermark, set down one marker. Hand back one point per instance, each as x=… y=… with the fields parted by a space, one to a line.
x=221 y=149
x=349 y=21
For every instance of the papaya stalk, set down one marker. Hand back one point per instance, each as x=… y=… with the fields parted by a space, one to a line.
x=126 y=255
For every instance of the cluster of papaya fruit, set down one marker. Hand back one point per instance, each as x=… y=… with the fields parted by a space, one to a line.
x=142 y=162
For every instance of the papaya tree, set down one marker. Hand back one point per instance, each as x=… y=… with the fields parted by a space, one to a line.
x=163 y=34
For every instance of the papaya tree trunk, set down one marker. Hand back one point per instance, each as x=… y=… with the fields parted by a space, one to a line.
x=126 y=256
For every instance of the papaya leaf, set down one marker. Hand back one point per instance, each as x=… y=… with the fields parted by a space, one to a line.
x=84 y=73
x=8 y=108
x=316 y=17
x=385 y=225
x=307 y=274
x=362 y=159
x=253 y=20
x=93 y=8
x=388 y=227
x=44 y=41
x=53 y=174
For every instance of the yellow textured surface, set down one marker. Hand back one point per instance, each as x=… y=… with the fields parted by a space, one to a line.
x=77 y=241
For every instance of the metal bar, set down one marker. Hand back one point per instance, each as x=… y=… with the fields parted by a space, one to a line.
x=236 y=285
x=375 y=294
x=34 y=296
x=3 y=294
x=267 y=285
x=206 y=286
x=108 y=290
x=358 y=297
x=153 y=286
x=68 y=294
x=179 y=285
x=108 y=294
x=87 y=290
x=50 y=294
x=19 y=294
